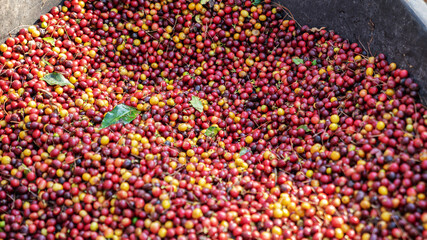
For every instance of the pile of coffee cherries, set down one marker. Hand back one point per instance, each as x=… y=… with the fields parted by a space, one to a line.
x=235 y=122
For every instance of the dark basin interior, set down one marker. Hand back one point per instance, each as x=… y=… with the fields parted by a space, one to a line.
x=397 y=28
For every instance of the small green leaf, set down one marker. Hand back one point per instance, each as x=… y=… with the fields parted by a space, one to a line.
x=56 y=79
x=120 y=114
x=212 y=131
x=256 y=2
x=49 y=40
x=203 y=2
x=196 y=103
x=314 y=62
x=243 y=151
x=297 y=61
x=306 y=129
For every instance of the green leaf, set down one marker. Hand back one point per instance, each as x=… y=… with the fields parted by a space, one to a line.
x=306 y=129
x=203 y=2
x=49 y=40
x=212 y=131
x=256 y=2
x=56 y=79
x=297 y=61
x=196 y=103
x=243 y=151
x=120 y=114
x=314 y=62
